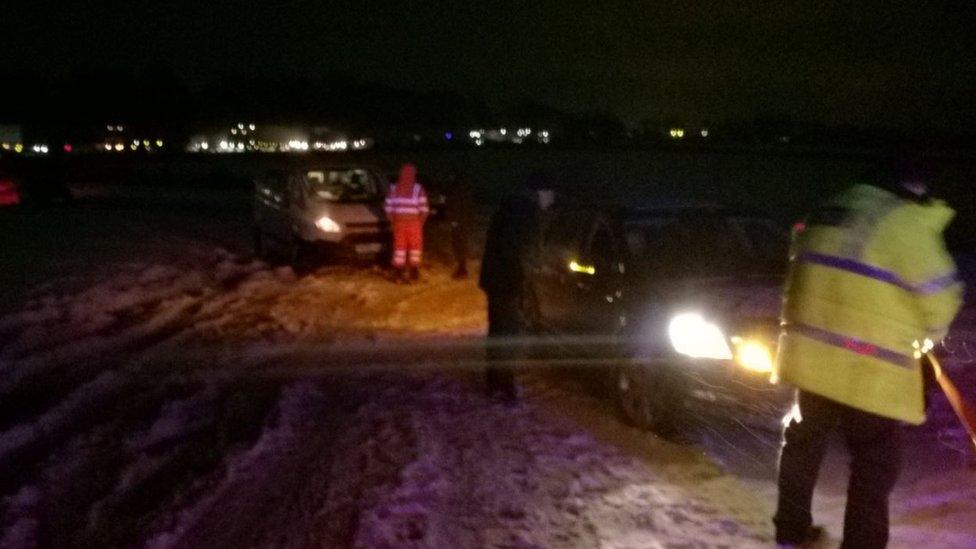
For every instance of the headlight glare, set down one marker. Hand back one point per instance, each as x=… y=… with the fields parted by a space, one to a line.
x=753 y=355
x=693 y=336
x=328 y=225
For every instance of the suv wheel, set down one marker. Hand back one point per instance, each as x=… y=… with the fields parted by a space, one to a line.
x=648 y=401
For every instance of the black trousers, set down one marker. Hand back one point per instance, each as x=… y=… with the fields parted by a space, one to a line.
x=504 y=329
x=874 y=444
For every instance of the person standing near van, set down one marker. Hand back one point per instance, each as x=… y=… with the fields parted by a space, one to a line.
x=407 y=209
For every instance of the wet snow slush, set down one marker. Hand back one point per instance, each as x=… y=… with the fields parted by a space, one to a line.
x=159 y=387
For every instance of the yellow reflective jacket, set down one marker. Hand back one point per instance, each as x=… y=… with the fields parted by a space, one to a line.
x=870 y=279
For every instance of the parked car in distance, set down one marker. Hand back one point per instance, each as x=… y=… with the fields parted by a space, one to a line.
x=681 y=301
x=318 y=213
x=33 y=182
x=9 y=192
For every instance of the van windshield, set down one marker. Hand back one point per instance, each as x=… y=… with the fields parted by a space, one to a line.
x=343 y=185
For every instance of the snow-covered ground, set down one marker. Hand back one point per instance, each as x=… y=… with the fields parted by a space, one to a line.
x=159 y=387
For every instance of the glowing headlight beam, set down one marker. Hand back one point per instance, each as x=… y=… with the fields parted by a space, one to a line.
x=693 y=336
x=328 y=225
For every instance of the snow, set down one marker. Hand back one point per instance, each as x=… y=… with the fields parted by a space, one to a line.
x=199 y=397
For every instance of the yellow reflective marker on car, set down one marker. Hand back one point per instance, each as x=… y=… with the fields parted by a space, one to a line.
x=584 y=269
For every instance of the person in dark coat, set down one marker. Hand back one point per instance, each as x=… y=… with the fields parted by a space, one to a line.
x=512 y=237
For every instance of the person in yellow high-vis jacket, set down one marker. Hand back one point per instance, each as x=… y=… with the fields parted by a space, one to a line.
x=870 y=285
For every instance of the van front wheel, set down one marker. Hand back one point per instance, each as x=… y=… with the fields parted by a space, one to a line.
x=260 y=245
x=299 y=257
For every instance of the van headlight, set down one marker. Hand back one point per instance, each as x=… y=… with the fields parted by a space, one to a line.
x=328 y=225
x=693 y=336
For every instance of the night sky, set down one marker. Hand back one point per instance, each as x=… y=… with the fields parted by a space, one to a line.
x=906 y=64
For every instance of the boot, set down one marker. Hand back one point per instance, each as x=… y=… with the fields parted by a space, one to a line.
x=813 y=539
x=414 y=274
x=400 y=276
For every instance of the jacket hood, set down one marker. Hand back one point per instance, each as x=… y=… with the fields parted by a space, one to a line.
x=937 y=214
x=408 y=176
x=931 y=213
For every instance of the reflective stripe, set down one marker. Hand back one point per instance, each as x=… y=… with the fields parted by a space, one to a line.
x=931 y=286
x=851 y=344
x=937 y=284
x=403 y=201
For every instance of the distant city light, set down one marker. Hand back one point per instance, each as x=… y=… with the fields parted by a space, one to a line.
x=240 y=146
x=39 y=149
x=108 y=146
x=448 y=136
x=68 y=148
x=676 y=133
x=204 y=145
x=118 y=128
x=704 y=132
x=252 y=127
x=233 y=131
x=6 y=146
x=119 y=147
x=503 y=131
x=240 y=126
x=19 y=148
x=159 y=142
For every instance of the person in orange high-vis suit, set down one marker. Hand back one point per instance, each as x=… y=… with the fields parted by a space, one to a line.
x=407 y=209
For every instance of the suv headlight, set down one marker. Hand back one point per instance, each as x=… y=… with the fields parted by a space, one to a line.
x=693 y=336
x=328 y=225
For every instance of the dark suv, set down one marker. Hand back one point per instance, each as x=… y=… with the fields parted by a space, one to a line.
x=679 y=303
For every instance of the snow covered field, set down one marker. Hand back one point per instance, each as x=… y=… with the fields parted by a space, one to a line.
x=160 y=388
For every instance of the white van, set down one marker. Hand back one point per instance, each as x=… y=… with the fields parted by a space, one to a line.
x=321 y=213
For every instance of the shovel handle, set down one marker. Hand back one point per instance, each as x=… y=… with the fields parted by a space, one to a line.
x=965 y=412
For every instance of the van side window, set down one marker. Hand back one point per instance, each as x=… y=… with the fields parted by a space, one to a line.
x=295 y=191
x=272 y=187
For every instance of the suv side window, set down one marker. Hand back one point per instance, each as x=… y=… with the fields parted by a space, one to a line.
x=562 y=231
x=601 y=252
x=562 y=234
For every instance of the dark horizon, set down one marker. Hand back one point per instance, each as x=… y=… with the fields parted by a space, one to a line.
x=874 y=64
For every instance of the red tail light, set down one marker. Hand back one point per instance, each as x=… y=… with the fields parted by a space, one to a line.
x=8 y=193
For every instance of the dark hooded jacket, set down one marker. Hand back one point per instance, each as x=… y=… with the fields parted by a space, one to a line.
x=512 y=235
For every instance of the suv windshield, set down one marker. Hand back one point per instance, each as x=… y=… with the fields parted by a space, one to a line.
x=706 y=246
x=343 y=185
